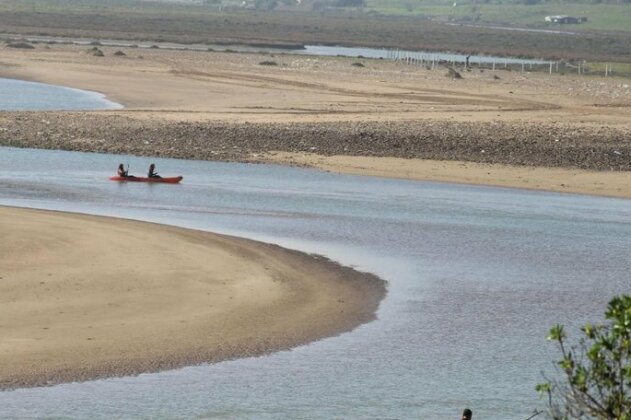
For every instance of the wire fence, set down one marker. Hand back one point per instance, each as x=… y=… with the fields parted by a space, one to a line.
x=577 y=67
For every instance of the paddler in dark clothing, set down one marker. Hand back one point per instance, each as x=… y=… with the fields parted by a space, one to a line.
x=152 y=172
x=122 y=172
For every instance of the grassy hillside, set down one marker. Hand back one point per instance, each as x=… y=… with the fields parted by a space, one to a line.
x=144 y=20
x=610 y=17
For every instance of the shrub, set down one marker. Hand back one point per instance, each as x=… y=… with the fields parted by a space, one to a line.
x=23 y=45
x=596 y=372
x=95 y=51
x=451 y=72
x=268 y=63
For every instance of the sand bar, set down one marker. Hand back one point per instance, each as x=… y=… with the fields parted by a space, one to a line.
x=513 y=129
x=604 y=183
x=86 y=297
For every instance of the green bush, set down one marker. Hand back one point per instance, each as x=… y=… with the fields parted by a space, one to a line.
x=22 y=45
x=597 y=371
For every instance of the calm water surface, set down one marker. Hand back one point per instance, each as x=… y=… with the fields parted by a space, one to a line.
x=476 y=277
x=315 y=50
x=18 y=95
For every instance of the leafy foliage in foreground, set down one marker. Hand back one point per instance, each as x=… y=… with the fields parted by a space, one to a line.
x=596 y=372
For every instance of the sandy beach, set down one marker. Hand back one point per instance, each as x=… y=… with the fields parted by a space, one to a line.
x=492 y=128
x=86 y=297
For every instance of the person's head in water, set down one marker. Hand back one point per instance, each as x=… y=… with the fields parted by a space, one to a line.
x=467 y=414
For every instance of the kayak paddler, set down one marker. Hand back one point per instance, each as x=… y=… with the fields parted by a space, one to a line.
x=121 y=171
x=152 y=172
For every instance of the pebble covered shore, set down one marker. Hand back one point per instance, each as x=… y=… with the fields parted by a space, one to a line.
x=530 y=144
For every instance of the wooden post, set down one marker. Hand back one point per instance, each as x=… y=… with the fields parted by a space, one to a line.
x=522 y=67
x=550 y=67
x=493 y=66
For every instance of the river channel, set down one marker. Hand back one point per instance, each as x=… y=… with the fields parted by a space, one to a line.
x=476 y=276
x=313 y=50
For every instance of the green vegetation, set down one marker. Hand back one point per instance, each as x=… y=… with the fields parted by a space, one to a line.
x=600 y=16
x=596 y=372
x=453 y=73
x=209 y=23
x=22 y=45
x=110 y=6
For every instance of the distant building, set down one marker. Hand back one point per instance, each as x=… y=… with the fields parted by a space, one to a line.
x=565 y=19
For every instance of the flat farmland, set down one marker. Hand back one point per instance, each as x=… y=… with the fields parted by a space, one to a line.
x=205 y=24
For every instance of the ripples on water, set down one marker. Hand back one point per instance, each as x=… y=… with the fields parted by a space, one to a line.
x=476 y=278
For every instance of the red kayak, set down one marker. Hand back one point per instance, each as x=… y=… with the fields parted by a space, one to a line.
x=171 y=180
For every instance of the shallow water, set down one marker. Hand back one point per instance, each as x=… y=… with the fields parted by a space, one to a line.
x=18 y=95
x=316 y=50
x=476 y=278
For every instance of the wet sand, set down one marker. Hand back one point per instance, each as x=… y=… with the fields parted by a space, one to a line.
x=87 y=297
x=604 y=183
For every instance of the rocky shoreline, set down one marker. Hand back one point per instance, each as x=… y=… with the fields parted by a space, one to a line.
x=526 y=144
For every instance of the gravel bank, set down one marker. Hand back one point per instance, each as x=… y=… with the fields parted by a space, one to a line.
x=530 y=144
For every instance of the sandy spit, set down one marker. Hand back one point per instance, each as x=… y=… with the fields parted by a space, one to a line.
x=603 y=183
x=85 y=297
